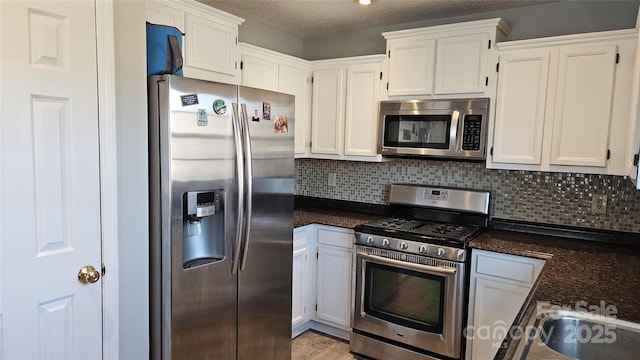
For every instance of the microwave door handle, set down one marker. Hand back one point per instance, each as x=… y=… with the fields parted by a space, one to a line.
x=453 y=134
x=237 y=135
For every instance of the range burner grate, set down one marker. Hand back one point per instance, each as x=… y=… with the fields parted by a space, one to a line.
x=426 y=228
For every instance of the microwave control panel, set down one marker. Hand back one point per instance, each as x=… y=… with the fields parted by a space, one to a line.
x=471 y=130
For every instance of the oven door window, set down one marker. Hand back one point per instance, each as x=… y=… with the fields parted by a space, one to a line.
x=417 y=131
x=405 y=297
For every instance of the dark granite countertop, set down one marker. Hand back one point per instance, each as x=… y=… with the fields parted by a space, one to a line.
x=578 y=273
x=345 y=219
x=346 y=214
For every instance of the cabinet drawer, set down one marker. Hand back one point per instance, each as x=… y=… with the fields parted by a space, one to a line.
x=301 y=237
x=335 y=237
x=512 y=267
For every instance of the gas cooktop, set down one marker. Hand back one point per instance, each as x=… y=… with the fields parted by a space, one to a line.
x=428 y=221
x=422 y=231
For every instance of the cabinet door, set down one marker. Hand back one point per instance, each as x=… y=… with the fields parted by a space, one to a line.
x=211 y=50
x=496 y=306
x=300 y=286
x=582 y=113
x=520 y=107
x=296 y=82
x=461 y=64
x=361 y=130
x=161 y=14
x=327 y=112
x=334 y=285
x=411 y=67
x=259 y=73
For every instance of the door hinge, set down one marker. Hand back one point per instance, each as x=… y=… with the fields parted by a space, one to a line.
x=636 y=159
x=380 y=75
x=317 y=255
x=486 y=81
x=312 y=79
x=489 y=44
x=236 y=40
x=497 y=67
x=387 y=85
x=316 y=307
x=608 y=154
x=389 y=54
x=241 y=65
x=104 y=269
x=491 y=151
x=617 y=58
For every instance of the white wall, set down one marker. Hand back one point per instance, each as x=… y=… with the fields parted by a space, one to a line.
x=264 y=36
x=133 y=198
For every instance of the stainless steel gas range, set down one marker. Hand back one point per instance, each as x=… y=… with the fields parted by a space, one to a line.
x=411 y=273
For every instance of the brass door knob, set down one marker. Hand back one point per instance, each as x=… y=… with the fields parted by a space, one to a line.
x=88 y=274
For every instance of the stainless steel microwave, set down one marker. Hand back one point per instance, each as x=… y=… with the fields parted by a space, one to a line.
x=453 y=128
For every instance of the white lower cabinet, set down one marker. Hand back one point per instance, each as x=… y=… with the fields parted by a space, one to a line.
x=499 y=286
x=333 y=290
x=322 y=297
x=301 y=289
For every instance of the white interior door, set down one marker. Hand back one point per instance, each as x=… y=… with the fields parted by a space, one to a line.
x=49 y=177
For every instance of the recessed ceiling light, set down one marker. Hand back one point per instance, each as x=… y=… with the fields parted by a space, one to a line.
x=364 y=2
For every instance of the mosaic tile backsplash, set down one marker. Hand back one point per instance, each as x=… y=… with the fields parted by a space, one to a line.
x=551 y=198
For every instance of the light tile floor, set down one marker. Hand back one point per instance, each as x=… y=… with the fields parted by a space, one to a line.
x=312 y=345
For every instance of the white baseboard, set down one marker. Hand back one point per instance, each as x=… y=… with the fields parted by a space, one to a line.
x=323 y=328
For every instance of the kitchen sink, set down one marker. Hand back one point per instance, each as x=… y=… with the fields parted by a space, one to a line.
x=564 y=334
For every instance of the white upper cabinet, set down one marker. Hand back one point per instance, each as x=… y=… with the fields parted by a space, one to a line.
x=345 y=108
x=363 y=92
x=411 y=68
x=522 y=90
x=296 y=81
x=266 y=69
x=461 y=64
x=585 y=77
x=440 y=60
x=259 y=72
x=327 y=113
x=210 y=44
x=633 y=149
x=563 y=104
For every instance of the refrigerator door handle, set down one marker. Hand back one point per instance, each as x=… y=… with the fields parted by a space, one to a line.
x=248 y=167
x=237 y=135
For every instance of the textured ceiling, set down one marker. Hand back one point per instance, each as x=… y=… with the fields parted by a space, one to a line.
x=314 y=18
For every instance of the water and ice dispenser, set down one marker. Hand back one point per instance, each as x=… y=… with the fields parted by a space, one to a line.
x=203 y=228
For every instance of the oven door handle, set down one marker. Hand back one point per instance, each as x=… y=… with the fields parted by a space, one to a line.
x=417 y=267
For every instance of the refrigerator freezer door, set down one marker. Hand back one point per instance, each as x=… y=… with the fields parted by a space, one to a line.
x=193 y=151
x=264 y=293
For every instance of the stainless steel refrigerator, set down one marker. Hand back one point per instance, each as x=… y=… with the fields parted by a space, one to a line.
x=221 y=217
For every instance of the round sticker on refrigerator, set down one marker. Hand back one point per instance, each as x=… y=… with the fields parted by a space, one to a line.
x=219 y=107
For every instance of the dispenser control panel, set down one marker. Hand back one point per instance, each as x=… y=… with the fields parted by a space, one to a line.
x=203 y=203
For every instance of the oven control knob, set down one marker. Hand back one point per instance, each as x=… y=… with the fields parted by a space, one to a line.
x=404 y=246
x=369 y=240
x=422 y=249
x=385 y=242
x=441 y=252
